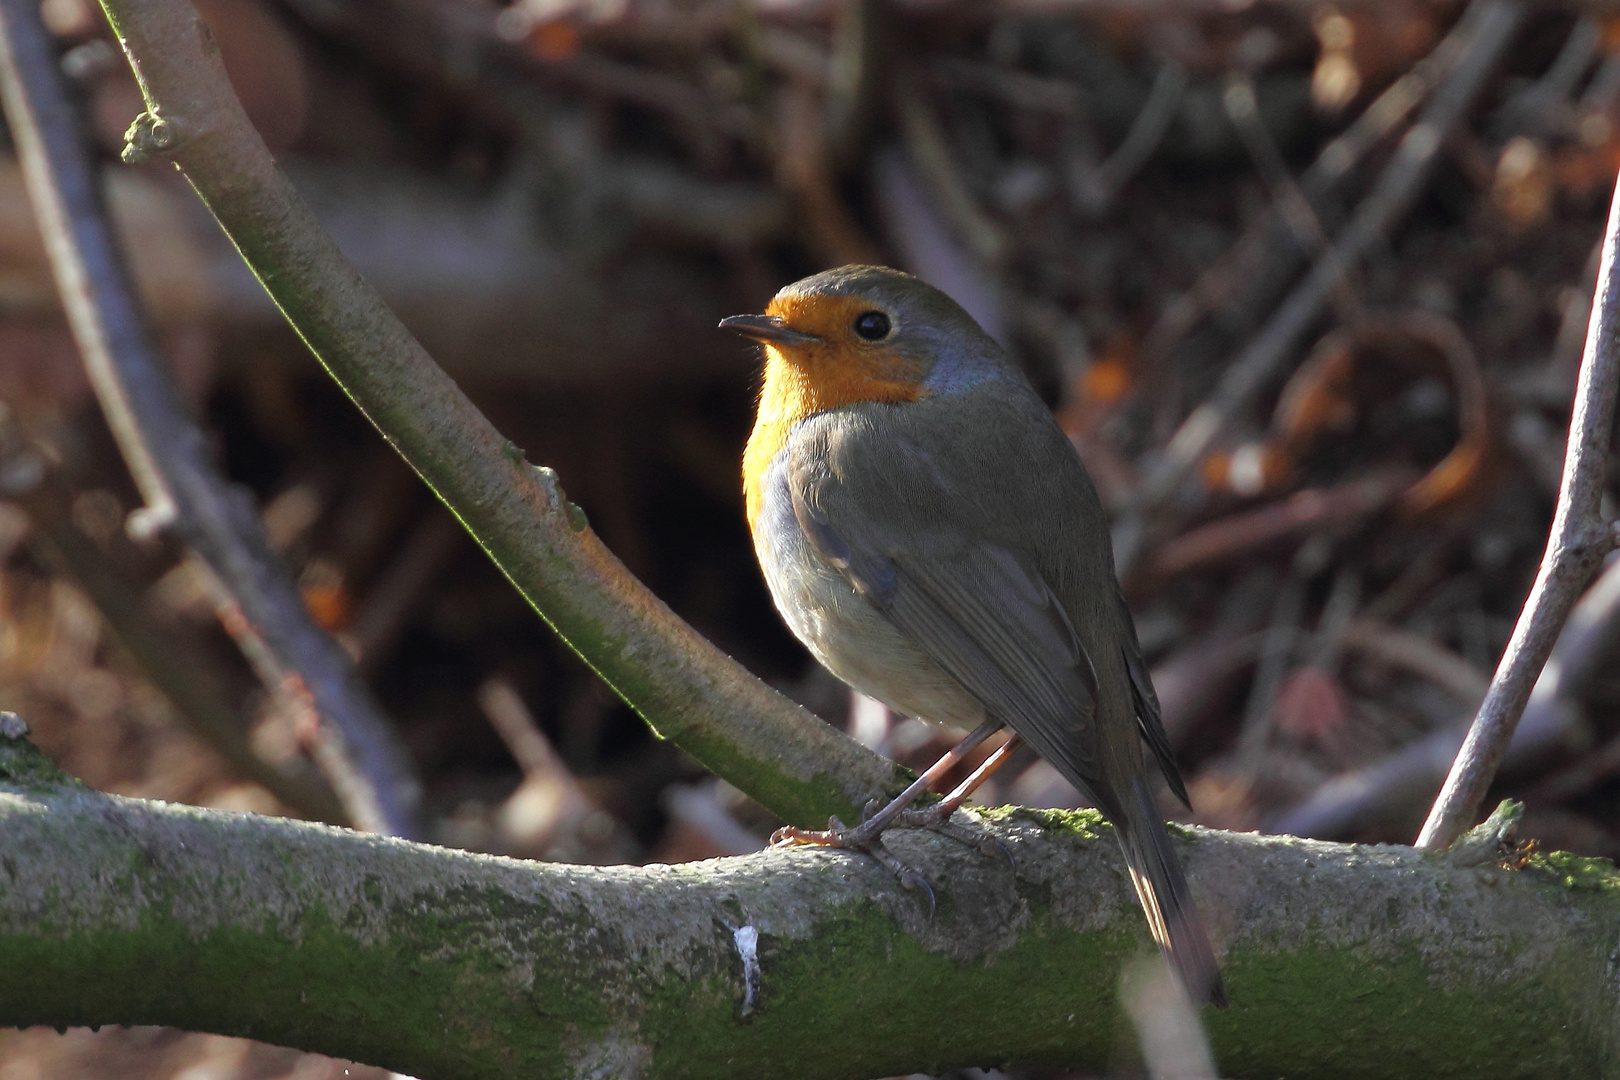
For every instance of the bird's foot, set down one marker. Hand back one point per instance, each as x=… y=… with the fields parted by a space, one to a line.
x=866 y=838
x=940 y=818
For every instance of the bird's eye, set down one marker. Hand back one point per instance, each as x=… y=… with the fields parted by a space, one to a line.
x=872 y=325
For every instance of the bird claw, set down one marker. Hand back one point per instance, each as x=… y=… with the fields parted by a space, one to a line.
x=862 y=839
x=910 y=879
x=868 y=841
x=793 y=836
x=975 y=838
x=873 y=805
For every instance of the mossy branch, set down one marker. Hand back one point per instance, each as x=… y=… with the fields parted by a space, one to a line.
x=680 y=684
x=1340 y=960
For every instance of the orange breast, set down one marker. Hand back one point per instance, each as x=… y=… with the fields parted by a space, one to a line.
x=806 y=380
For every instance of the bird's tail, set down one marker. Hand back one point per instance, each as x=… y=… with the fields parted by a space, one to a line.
x=1162 y=888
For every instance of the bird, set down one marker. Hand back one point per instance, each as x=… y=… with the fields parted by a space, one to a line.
x=930 y=534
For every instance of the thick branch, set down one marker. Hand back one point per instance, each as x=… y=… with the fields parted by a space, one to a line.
x=685 y=688
x=1578 y=541
x=1340 y=961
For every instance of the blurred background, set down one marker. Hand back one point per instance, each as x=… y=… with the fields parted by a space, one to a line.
x=1355 y=243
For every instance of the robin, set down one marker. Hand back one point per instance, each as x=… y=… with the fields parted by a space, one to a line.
x=930 y=534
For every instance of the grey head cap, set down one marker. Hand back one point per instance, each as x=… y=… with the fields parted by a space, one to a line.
x=925 y=320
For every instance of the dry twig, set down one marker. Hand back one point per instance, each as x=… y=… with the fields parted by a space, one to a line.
x=1094 y=187
x=1587 y=643
x=1579 y=539
x=1492 y=23
x=1270 y=240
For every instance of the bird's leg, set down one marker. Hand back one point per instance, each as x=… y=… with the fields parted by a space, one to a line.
x=866 y=833
x=938 y=816
x=947 y=806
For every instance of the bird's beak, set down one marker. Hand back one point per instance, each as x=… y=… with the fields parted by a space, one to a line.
x=766 y=328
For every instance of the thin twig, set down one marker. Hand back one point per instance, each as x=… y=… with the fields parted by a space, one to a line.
x=1093 y=188
x=1552 y=725
x=166 y=451
x=856 y=70
x=697 y=807
x=1266 y=251
x=1243 y=109
x=1276 y=656
x=692 y=694
x=1417 y=654
x=1314 y=508
x=929 y=151
x=1578 y=541
x=1388 y=201
x=804 y=167
x=463 y=45
x=1538 y=109
x=509 y=715
x=1585 y=646
x=928 y=247
x=1398 y=784
x=381 y=618
x=1019 y=89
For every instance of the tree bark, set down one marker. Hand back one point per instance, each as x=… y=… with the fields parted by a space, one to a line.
x=1340 y=960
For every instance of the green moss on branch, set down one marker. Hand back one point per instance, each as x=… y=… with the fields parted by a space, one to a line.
x=1341 y=961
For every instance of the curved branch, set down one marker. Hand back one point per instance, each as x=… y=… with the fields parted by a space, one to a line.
x=1340 y=960
x=681 y=685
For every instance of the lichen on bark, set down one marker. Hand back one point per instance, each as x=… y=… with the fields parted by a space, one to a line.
x=1340 y=960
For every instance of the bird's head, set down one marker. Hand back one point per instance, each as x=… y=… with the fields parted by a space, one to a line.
x=863 y=333
x=852 y=335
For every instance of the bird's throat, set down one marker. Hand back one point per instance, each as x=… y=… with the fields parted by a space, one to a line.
x=806 y=384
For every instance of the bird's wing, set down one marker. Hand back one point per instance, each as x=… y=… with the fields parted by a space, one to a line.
x=1149 y=717
x=979 y=609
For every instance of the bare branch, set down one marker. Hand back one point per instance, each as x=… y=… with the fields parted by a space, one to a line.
x=1578 y=541
x=168 y=454
x=1094 y=187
